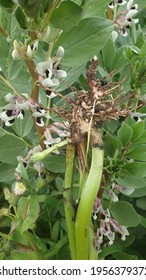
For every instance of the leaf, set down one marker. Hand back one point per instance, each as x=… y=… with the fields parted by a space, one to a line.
x=124 y=213
x=131 y=182
x=110 y=144
x=94 y=9
x=28 y=212
x=124 y=256
x=6 y=169
x=23 y=127
x=66 y=16
x=81 y=43
x=138 y=129
x=11 y=147
x=55 y=231
x=124 y=134
x=55 y=163
x=138 y=153
x=141 y=203
x=137 y=169
x=138 y=192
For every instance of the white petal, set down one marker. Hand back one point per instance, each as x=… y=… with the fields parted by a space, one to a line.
x=114 y=35
x=16 y=55
x=50 y=82
x=29 y=51
x=52 y=95
x=129 y=4
x=9 y=98
x=136 y=20
x=131 y=13
x=60 y=52
x=60 y=73
x=41 y=67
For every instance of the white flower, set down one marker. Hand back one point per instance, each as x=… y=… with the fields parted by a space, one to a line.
x=19 y=188
x=7 y=117
x=49 y=74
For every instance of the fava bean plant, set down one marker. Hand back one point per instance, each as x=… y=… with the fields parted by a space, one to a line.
x=72 y=129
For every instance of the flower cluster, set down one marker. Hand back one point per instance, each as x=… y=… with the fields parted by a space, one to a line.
x=23 y=50
x=107 y=227
x=39 y=166
x=59 y=129
x=14 y=109
x=124 y=19
x=49 y=72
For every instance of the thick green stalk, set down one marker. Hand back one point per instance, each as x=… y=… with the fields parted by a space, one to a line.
x=68 y=199
x=83 y=216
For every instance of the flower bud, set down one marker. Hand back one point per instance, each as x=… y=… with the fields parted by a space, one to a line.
x=60 y=52
x=29 y=51
x=16 y=55
x=16 y=45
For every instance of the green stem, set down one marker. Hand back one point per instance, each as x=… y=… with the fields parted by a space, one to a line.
x=4 y=32
x=9 y=85
x=68 y=199
x=91 y=246
x=47 y=18
x=83 y=217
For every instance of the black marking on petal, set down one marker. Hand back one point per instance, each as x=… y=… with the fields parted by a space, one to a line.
x=112 y=4
x=38 y=120
x=39 y=109
x=9 y=113
x=129 y=19
x=11 y=121
x=47 y=72
x=48 y=92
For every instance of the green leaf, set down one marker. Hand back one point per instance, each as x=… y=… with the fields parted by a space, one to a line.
x=55 y=163
x=55 y=231
x=137 y=169
x=141 y=203
x=131 y=182
x=124 y=213
x=11 y=147
x=66 y=16
x=7 y=4
x=138 y=153
x=20 y=16
x=23 y=127
x=138 y=192
x=124 y=134
x=28 y=212
x=124 y=256
x=138 y=129
x=94 y=9
x=110 y=144
x=81 y=43
x=6 y=169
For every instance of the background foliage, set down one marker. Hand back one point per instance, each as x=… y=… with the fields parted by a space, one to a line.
x=33 y=226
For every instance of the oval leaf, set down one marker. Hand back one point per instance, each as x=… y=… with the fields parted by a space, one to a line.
x=125 y=214
x=124 y=134
x=28 y=211
x=138 y=153
x=81 y=43
x=11 y=147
